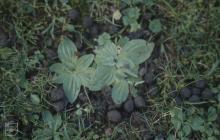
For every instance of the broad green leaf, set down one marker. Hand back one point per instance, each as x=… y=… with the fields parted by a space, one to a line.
x=132 y=13
x=104 y=39
x=176 y=123
x=59 y=79
x=180 y=115
x=138 y=50
x=149 y=2
x=134 y=26
x=186 y=130
x=122 y=41
x=69 y=27
x=48 y=118
x=212 y=114
x=120 y=91
x=197 y=123
x=106 y=55
x=57 y=122
x=104 y=76
x=125 y=62
x=171 y=137
x=73 y=72
x=155 y=26
x=85 y=76
x=56 y=136
x=132 y=76
x=58 y=68
x=65 y=134
x=130 y=73
x=85 y=61
x=119 y=74
x=212 y=138
x=35 y=99
x=209 y=131
x=66 y=50
x=71 y=87
x=130 y=18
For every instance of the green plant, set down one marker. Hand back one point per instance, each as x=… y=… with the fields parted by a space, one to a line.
x=130 y=18
x=53 y=128
x=115 y=64
x=194 y=120
x=73 y=72
x=155 y=26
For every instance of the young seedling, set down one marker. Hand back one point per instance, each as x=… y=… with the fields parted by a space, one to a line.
x=117 y=65
x=73 y=71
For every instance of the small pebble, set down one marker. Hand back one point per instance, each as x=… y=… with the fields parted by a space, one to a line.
x=73 y=14
x=94 y=31
x=129 y=106
x=149 y=78
x=139 y=102
x=82 y=97
x=87 y=22
x=207 y=94
x=59 y=106
x=200 y=84
x=108 y=131
x=178 y=100
x=51 y=54
x=194 y=99
x=114 y=116
x=111 y=107
x=196 y=91
x=185 y=92
x=57 y=94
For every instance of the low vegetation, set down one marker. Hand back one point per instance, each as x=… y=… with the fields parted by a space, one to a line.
x=110 y=70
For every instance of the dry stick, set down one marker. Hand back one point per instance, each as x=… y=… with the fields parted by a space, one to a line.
x=88 y=98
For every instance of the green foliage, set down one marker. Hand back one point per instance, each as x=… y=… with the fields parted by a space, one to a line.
x=194 y=120
x=52 y=129
x=132 y=2
x=132 y=13
x=130 y=18
x=114 y=65
x=155 y=26
x=104 y=39
x=120 y=91
x=74 y=71
x=135 y=2
x=118 y=65
x=35 y=99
